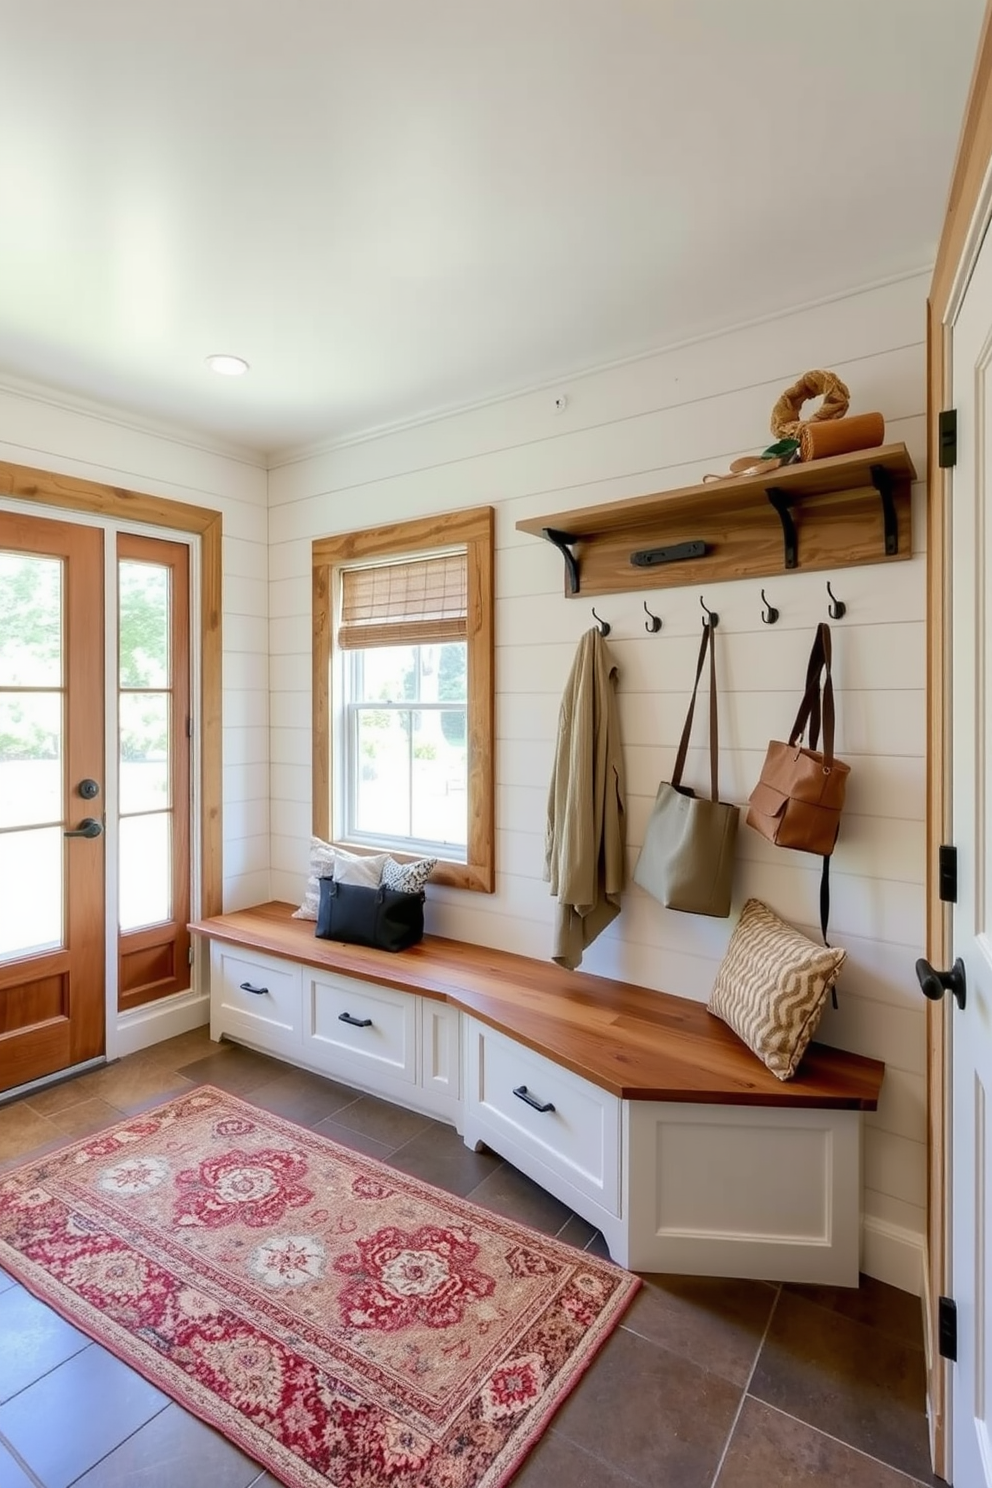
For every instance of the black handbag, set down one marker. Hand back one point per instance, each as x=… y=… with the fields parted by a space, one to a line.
x=388 y=919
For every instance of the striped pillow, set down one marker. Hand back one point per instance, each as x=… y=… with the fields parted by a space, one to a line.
x=772 y=986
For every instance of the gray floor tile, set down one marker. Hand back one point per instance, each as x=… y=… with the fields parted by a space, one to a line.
x=392 y=1126
x=357 y=1141
x=96 y=1401
x=234 y=1069
x=174 y=1450
x=558 y=1463
x=848 y=1380
x=716 y=1323
x=301 y=1096
x=439 y=1156
x=35 y=1340
x=510 y=1192
x=649 y=1414
x=768 y=1448
x=12 y=1473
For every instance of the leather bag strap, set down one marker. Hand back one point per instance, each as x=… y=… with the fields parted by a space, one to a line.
x=706 y=641
x=812 y=706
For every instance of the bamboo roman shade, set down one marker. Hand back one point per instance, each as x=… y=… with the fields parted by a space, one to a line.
x=412 y=603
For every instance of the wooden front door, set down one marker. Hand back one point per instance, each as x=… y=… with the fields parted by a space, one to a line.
x=52 y=843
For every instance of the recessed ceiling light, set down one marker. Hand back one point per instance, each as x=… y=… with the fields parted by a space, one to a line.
x=227 y=366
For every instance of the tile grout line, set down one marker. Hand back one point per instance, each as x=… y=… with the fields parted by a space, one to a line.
x=911 y=1481
x=117 y=1445
x=747 y=1386
x=24 y=1466
x=586 y=1452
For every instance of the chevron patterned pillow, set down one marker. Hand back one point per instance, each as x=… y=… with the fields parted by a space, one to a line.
x=772 y=986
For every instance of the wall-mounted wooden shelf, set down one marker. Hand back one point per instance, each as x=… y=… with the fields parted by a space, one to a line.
x=851 y=509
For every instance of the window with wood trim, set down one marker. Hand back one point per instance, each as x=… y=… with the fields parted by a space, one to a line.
x=403 y=692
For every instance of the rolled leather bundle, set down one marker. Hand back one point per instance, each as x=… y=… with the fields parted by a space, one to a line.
x=841 y=436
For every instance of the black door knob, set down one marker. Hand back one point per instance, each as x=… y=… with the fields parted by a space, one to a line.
x=934 y=984
x=88 y=789
x=88 y=827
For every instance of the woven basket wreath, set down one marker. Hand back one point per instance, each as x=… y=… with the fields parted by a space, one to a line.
x=786 y=422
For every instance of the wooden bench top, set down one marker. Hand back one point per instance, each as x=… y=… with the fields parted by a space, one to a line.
x=634 y=1042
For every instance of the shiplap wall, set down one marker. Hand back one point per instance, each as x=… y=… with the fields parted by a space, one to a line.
x=46 y=434
x=657 y=423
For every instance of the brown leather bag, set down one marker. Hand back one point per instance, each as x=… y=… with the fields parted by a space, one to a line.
x=799 y=798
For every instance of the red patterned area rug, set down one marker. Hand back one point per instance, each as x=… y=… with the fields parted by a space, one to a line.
x=341 y=1322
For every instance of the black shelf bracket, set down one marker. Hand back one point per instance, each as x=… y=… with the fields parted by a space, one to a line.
x=882 y=481
x=782 y=504
x=562 y=541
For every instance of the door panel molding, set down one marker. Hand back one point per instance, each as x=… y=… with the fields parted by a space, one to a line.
x=47 y=488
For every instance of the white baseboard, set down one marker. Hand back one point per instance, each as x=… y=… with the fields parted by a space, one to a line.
x=150 y=1025
x=890 y=1253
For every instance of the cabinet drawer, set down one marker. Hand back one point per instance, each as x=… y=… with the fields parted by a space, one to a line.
x=352 y=1025
x=258 y=996
x=577 y=1135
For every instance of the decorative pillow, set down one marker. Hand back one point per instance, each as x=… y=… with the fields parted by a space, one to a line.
x=772 y=986
x=359 y=868
x=409 y=878
x=322 y=856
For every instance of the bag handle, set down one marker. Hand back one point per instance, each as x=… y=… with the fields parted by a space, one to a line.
x=709 y=641
x=810 y=707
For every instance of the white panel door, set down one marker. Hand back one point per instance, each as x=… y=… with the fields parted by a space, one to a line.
x=971 y=1026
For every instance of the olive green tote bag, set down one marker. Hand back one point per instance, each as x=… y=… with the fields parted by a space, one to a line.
x=687 y=861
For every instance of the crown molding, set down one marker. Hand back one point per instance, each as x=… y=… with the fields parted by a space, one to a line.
x=111 y=413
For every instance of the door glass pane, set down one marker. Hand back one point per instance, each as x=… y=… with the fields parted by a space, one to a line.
x=31 y=901
x=144 y=624
x=144 y=757
x=145 y=870
x=30 y=758
x=30 y=621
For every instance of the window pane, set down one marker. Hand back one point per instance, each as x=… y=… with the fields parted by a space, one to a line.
x=144 y=624
x=440 y=812
x=144 y=734
x=31 y=902
x=146 y=870
x=30 y=621
x=452 y=672
x=386 y=674
x=30 y=758
x=382 y=790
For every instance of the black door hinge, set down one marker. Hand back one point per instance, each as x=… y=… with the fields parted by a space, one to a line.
x=947 y=874
x=947 y=438
x=947 y=1328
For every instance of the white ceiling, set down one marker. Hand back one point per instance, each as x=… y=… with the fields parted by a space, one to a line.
x=391 y=207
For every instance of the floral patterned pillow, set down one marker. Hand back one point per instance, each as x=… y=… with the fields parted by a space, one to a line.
x=409 y=878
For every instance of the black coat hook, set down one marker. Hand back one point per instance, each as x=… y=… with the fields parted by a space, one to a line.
x=769 y=615
x=653 y=623
x=604 y=625
x=838 y=609
x=711 y=618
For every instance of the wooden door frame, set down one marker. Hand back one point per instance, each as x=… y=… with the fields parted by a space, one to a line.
x=969 y=210
x=67 y=493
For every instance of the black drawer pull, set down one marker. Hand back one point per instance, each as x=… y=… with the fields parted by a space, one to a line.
x=258 y=991
x=532 y=1100
x=355 y=1022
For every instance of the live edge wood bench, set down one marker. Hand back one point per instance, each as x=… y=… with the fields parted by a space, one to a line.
x=638 y=1109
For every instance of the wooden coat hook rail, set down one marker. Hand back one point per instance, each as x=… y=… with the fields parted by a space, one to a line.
x=823 y=514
